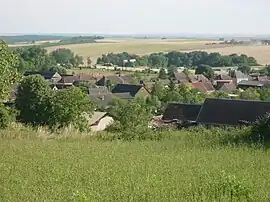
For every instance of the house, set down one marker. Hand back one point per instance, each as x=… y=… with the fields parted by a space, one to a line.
x=102 y=100
x=180 y=77
x=98 y=91
x=199 y=86
x=230 y=112
x=88 y=78
x=181 y=112
x=100 y=121
x=52 y=77
x=250 y=84
x=133 y=90
x=209 y=87
x=68 y=79
x=115 y=79
x=240 y=76
x=227 y=87
x=205 y=87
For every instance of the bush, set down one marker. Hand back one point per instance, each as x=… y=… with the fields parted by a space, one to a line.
x=5 y=117
x=261 y=128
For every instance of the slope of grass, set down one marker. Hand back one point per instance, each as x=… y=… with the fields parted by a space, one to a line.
x=186 y=167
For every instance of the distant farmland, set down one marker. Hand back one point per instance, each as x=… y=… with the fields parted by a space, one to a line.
x=146 y=46
x=136 y=46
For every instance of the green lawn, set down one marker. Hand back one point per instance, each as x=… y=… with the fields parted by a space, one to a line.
x=184 y=168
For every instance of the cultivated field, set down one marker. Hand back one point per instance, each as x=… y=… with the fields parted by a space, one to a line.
x=187 y=166
x=136 y=46
x=146 y=46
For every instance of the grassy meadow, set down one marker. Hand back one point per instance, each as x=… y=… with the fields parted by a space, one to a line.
x=184 y=166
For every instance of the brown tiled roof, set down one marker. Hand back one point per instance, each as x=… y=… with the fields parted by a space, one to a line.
x=200 y=86
x=227 y=87
x=181 y=77
x=68 y=79
x=208 y=86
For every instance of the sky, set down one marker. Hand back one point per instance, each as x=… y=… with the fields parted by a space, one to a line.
x=245 y=17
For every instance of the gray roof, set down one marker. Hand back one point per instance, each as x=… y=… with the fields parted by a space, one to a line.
x=251 y=83
x=181 y=112
x=99 y=90
x=231 y=112
x=240 y=75
x=96 y=116
x=127 y=88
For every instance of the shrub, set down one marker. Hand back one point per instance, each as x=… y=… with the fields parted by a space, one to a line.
x=5 y=117
x=132 y=118
x=68 y=108
x=34 y=100
x=261 y=128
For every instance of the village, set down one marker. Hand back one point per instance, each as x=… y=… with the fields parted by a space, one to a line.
x=121 y=84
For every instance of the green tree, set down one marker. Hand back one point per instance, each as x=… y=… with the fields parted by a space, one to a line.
x=84 y=86
x=162 y=74
x=89 y=62
x=265 y=94
x=71 y=106
x=250 y=94
x=261 y=128
x=33 y=100
x=132 y=117
x=63 y=56
x=8 y=72
x=206 y=70
x=33 y=58
x=245 y=68
x=77 y=61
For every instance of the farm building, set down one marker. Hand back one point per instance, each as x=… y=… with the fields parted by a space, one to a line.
x=229 y=112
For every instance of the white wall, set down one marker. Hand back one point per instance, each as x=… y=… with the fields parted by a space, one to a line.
x=102 y=124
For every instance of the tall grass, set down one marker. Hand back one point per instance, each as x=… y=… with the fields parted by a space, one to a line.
x=190 y=165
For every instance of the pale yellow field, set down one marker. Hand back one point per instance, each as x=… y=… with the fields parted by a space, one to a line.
x=146 y=46
x=136 y=46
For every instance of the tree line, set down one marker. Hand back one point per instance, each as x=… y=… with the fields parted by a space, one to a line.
x=36 y=58
x=177 y=59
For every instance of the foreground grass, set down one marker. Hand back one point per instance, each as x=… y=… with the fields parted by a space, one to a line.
x=185 y=167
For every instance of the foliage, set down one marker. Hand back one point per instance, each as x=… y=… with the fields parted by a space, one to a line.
x=33 y=100
x=69 y=106
x=84 y=86
x=245 y=68
x=261 y=128
x=250 y=94
x=265 y=94
x=180 y=59
x=206 y=70
x=33 y=58
x=8 y=75
x=132 y=117
x=157 y=60
x=89 y=62
x=162 y=74
x=5 y=117
x=65 y=57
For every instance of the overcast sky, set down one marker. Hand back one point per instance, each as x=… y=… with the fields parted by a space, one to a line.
x=135 y=16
